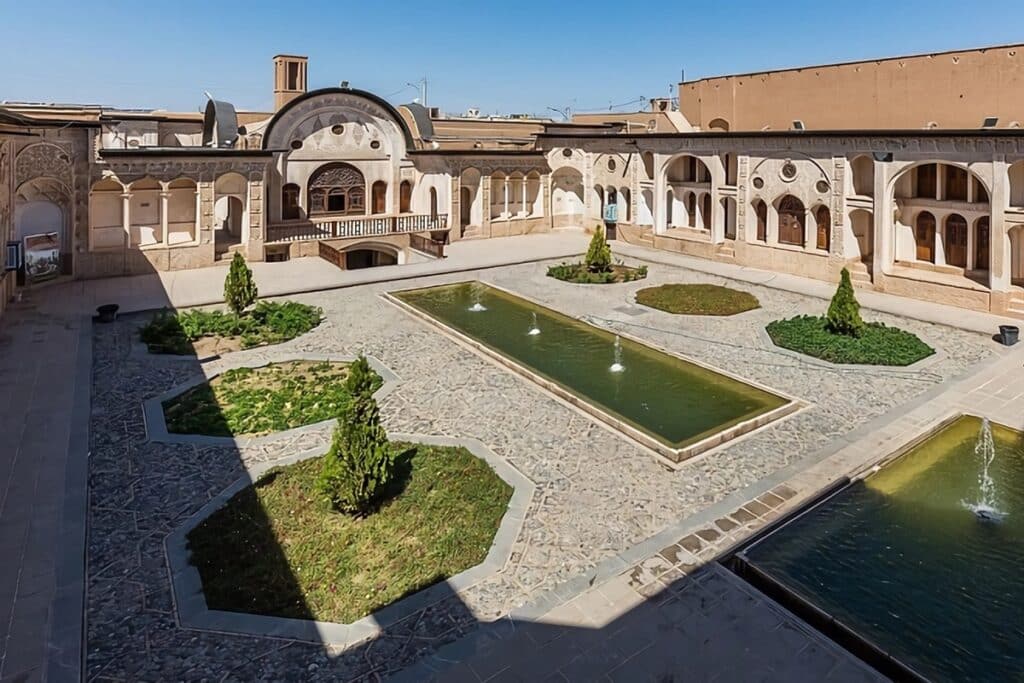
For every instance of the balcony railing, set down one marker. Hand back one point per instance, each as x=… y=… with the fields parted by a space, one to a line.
x=361 y=226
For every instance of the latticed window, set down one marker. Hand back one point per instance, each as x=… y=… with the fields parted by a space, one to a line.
x=337 y=188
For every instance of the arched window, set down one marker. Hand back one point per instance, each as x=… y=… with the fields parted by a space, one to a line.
x=956 y=240
x=337 y=188
x=691 y=209
x=823 y=217
x=982 y=235
x=955 y=184
x=405 y=197
x=290 y=209
x=926 y=181
x=761 y=211
x=433 y=203
x=379 y=197
x=924 y=236
x=791 y=220
x=626 y=210
x=669 y=200
x=705 y=212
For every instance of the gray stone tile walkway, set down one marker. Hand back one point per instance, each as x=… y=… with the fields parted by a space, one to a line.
x=709 y=626
x=40 y=598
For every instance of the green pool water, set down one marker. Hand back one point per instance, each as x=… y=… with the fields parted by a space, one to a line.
x=676 y=402
x=901 y=559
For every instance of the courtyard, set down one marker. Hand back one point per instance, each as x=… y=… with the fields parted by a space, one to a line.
x=602 y=505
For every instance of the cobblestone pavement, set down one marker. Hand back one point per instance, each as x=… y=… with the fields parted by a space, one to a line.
x=597 y=495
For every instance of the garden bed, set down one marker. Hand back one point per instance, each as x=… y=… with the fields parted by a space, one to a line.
x=580 y=274
x=204 y=333
x=272 y=398
x=878 y=345
x=697 y=299
x=277 y=548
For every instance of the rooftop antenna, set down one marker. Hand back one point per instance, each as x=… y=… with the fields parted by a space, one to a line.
x=422 y=85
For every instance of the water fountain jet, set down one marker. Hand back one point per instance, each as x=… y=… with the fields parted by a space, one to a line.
x=617 y=366
x=985 y=448
x=534 y=330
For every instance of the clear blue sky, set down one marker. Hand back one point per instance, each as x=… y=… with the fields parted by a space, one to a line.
x=501 y=56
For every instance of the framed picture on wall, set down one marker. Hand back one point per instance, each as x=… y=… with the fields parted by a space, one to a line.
x=42 y=257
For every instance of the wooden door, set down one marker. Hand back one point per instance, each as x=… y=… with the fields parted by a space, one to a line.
x=379 y=199
x=824 y=220
x=956 y=241
x=981 y=244
x=924 y=236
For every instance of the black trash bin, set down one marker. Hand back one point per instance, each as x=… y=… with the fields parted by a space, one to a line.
x=107 y=313
x=1009 y=334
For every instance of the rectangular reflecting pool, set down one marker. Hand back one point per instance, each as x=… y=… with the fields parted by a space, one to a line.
x=923 y=559
x=675 y=404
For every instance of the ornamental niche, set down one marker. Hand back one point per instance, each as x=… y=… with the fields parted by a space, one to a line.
x=43 y=160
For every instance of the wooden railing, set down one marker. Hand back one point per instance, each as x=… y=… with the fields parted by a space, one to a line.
x=331 y=255
x=361 y=226
x=428 y=244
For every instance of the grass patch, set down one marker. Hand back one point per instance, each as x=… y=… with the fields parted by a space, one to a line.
x=270 y=322
x=276 y=548
x=879 y=344
x=579 y=274
x=697 y=299
x=273 y=398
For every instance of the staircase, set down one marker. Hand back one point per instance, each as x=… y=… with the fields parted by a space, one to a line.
x=229 y=253
x=472 y=232
x=646 y=238
x=859 y=274
x=1015 y=303
x=726 y=251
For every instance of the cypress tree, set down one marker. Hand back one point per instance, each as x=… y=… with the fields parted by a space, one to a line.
x=844 y=311
x=599 y=254
x=360 y=461
x=239 y=287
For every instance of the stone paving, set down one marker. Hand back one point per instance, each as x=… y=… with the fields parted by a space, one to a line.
x=598 y=494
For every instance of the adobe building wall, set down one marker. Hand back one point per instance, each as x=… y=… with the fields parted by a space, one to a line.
x=947 y=90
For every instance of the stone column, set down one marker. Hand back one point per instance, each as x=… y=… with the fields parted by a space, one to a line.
x=485 y=203
x=254 y=244
x=206 y=218
x=1000 y=256
x=126 y=217
x=882 y=219
x=505 y=213
x=659 y=208
x=524 y=211
x=455 y=209
x=164 y=197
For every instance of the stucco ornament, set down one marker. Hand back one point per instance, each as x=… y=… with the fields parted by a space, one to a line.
x=43 y=160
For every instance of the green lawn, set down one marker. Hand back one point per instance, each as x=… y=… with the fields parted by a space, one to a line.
x=272 y=398
x=879 y=345
x=697 y=299
x=195 y=331
x=278 y=549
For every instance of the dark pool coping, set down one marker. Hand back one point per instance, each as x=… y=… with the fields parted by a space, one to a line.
x=674 y=457
x=862 y=647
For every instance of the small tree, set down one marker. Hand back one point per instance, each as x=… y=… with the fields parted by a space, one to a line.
x=239 y=287
x=599 y=254
x=360 y=461
x=844 y=311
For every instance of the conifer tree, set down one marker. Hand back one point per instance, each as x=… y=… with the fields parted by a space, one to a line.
x=239 y=287
x=844 y=311
x=599 y=254
x=360 y=461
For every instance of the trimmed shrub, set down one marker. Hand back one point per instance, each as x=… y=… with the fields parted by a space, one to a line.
x=360 y=461
x=239 y=287
x=844 y=311
x=599 y=254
